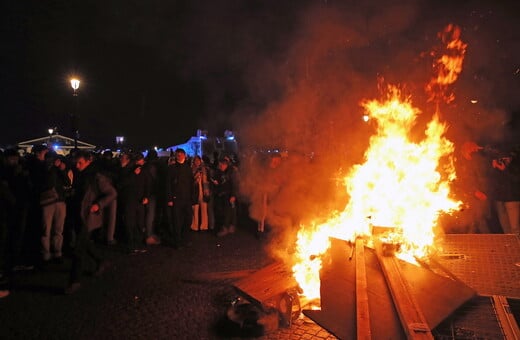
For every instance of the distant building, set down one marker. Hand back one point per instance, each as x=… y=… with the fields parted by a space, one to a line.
x=203 y=145
x=60 y=144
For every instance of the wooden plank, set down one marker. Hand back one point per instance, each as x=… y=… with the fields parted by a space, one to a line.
x=412 y=319
x=437 y=296
x=506 y=318
x=362 y=311
x=337 y=291
x=267 y=283
x=338 y=295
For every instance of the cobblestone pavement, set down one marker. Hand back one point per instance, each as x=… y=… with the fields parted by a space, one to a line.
x=155 y=295
x=167 y=294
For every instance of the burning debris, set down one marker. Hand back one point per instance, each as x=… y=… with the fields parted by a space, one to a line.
x=404 y=184
x=369 y=266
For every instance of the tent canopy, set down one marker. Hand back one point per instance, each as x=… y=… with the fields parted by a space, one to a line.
x=57 y=142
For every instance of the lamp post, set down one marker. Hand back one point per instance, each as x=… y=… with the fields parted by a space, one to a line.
x=51 y=131
x=74 y=82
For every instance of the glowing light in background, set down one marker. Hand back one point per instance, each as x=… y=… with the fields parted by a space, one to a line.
x=74 y=82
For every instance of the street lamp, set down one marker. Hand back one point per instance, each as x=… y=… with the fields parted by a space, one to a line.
x=51 y=131
x=74 y=82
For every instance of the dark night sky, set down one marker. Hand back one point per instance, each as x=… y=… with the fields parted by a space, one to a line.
x=155 y=71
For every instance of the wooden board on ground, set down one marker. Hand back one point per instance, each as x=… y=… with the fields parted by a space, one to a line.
x=267 y=283
x=436 y=295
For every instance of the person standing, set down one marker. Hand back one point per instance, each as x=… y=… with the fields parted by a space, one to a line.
x=37 y=168
x=92 y=193
x=143 y=183
x=153 y=211
x=226 y=188
x=506 y=182
x=18 y=181
x=272 y=183
x=179 y=186
x=201 y=191
x=54 y=212
x=129 y=204
x=109 y=167
x=472 y=183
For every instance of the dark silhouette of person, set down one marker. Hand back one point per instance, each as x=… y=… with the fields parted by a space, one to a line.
x=179 y=186
x=92 y=193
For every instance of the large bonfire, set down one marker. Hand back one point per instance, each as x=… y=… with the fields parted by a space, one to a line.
x=404 y=184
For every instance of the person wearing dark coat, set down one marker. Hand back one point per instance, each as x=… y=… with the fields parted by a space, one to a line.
x=143 y=183
x=226 y=188
x=18 y=181
x=179 y=186
x=506 y=190
x=92 y=193
x=132 y=196
x=37 y=168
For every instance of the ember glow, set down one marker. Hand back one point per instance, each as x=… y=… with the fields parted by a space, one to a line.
x=403 y=187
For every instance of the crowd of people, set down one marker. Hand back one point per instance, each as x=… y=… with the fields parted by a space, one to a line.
x=53 y=205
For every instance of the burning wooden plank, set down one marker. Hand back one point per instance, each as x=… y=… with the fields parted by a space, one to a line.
x=435 y=296
x=362 y=310
x=338 y=296
x=410 y=314
x=505 y=317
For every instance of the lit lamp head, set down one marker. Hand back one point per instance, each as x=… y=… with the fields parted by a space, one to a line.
x=51 y=131
x=74 y=82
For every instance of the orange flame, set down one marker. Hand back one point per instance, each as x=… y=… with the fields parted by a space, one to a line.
x=400 y=185
x=448 y=66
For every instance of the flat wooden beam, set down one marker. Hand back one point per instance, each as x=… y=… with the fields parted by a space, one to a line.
x=412 y=319
x=267 y=283
x=362 y=310
x=506 y=318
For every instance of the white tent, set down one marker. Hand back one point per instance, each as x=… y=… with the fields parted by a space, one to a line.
x=59 y=143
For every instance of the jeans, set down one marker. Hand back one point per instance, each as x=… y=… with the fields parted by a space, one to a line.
x=53 y=216
x=150 y=210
